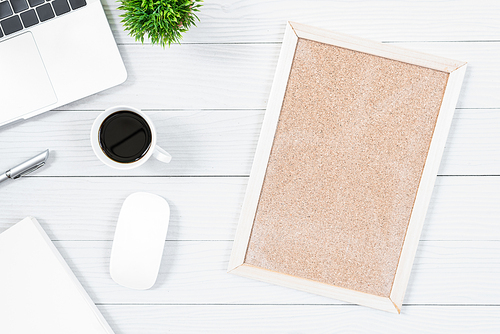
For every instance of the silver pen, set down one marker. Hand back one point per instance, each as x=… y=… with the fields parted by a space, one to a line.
x=26 y=167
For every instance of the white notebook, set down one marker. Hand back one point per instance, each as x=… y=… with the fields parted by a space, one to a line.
x=38 y=291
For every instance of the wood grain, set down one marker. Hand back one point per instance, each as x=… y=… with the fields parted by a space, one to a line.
x=473 y=145
x=299 y=319
x=217 y=142
x=88 y=208
x=207 y=208
x=236 y=76
x=201 y=143
x=194 y=272
x=253 y=21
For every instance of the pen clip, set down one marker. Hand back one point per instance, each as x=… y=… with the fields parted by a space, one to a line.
x=29 y=170
x=28 y=166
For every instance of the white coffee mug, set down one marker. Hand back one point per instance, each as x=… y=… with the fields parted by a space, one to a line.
x=152 y=150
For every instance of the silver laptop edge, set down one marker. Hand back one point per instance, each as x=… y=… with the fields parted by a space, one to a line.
x=77 y=57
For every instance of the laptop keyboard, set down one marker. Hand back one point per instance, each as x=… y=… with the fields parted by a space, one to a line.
x=16 y=15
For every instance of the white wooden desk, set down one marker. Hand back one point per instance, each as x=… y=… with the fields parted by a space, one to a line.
x=207 y=98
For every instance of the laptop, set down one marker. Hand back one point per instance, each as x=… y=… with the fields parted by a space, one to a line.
x=53 y=52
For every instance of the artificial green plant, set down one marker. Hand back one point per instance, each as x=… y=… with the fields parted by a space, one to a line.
x=162 y=21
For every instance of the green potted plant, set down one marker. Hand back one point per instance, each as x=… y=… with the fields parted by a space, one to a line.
x=162 y=21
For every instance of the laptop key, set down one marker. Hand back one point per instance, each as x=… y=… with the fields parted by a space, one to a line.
x=75 y=4
x=11 y=25
x=5 y=10
x=19 y=5
x=29 y=18
x=45 y=12
x=34 y=3
x=60 y=6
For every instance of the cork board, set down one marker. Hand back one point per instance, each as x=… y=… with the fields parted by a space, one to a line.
x=344 y=166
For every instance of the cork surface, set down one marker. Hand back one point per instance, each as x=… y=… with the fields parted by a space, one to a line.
x=346 y=161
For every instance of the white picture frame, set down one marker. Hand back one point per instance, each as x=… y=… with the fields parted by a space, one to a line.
x=295 y=31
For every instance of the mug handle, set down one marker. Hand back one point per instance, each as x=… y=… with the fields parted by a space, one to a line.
x=161 y=154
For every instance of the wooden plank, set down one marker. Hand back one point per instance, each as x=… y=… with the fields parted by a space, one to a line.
x=299 y=319
x=232 y=21
x=194 y=272
x=196 y=76
x=218 y=143
x=88 y=208
x=201 y=143
x=208 y=208
x=454 y=272
x=473 y=145
x=191 y=77
x=463 y=208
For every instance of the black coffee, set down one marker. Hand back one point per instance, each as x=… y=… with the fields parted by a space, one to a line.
x=125 y=136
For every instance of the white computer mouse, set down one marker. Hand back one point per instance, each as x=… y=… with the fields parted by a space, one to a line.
x=139 y=240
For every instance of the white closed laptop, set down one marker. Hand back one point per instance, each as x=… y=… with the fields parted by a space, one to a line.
x=53 y=52
x=38 y=291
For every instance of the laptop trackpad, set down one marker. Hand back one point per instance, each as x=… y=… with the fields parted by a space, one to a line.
x=23 y=75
